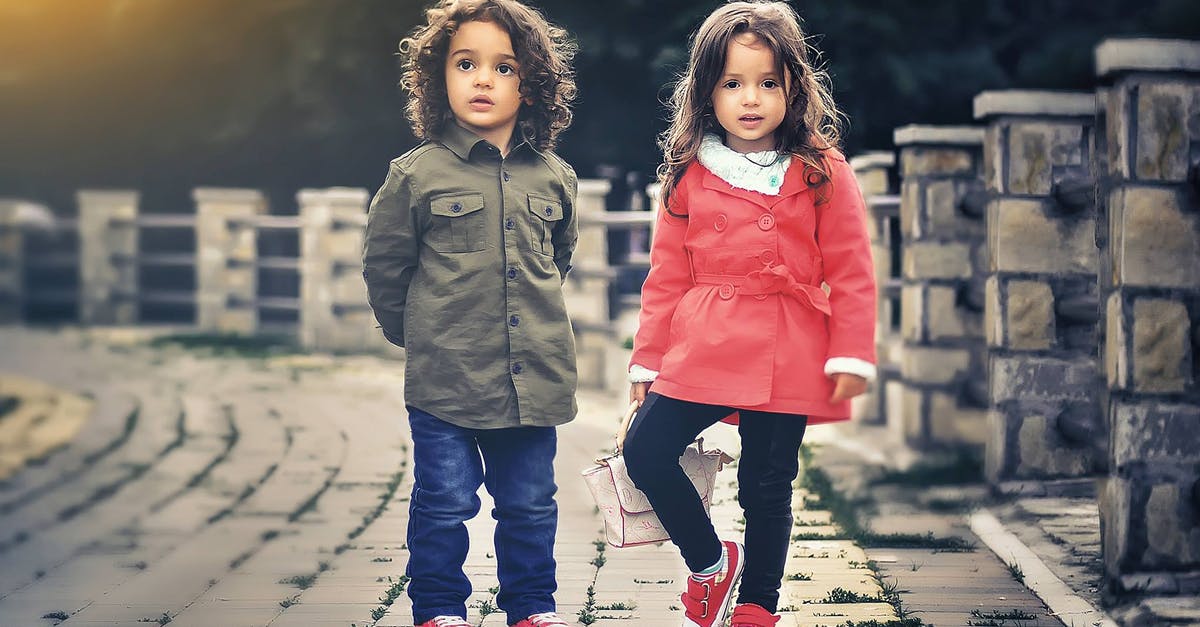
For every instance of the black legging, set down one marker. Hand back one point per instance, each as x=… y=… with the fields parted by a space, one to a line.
x=769 y=462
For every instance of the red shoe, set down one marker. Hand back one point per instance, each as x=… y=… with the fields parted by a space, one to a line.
x=545 y=619
x=446 y=621
x=752 y=615
x=706 y=603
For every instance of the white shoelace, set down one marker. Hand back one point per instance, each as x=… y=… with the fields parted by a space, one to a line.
x=546 y=619
x=450 y=621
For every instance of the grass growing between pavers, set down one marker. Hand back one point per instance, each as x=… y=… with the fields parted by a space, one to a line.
x=590 y=612
x=997 y=618
x=849 y=516
x=231 y=344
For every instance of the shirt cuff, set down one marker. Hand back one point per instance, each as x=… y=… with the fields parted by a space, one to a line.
x=850 y=365
x=640 y=374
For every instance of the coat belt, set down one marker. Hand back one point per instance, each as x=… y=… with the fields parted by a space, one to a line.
x=769 y=280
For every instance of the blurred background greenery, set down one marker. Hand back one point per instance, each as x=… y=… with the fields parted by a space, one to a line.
x=163 y=96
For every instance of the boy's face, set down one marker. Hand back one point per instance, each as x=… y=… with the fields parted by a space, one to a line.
x=749 y=99
x=483 y=82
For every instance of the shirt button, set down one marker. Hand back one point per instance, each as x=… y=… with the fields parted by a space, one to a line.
x=726 y=291
x=456 y=207
x=505 y=175
x=767 y=257
x=549 y=210
x=516 y=368
x=514 y=321
x=766 y=221
x=721 y=222
x=509 y=224
x=512 y=273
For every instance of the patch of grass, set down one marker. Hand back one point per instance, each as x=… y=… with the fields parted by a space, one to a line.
x=161 y=620
x=231 y=344
x=619 y=605
x=903 y=622
x=393 y=592
x=311 y=503
x=290 y=601
x=59 y=615
x=842 y=595
x=390 y=491
x=382 y=559
x=1014 y=570
x=304 y=582
x=960 y=467
x=996 y=618
x=800 y=577
x=659 y=581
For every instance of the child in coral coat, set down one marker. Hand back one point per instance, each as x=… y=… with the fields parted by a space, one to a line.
x=759 y=210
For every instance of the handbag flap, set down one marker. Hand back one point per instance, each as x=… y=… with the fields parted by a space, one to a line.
x=700 y=467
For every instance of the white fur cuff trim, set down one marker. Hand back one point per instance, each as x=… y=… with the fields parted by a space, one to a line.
x=641 y=374
x=850 y=365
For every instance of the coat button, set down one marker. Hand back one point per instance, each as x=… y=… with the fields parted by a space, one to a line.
x=549 y=210
x=514 y=321
x=509 y=224
x=725 y=291
x=766 y=221
x=767 y=257
x=505 y=175
x=512 y=273
x=721 y=222
x=456 y=207
x=516 y=368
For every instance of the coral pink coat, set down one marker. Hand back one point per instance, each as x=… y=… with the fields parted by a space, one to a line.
x=733 y=312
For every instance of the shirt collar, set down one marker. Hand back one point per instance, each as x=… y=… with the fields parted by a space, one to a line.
x=462 y=142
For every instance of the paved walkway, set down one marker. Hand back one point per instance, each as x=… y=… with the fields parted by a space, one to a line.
x=212 y=490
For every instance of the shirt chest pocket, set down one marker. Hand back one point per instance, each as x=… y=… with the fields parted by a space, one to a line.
x=458 y=225
x=545 y=215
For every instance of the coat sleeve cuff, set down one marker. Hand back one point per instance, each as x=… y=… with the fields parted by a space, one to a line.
x=641 y=374
x=850 y=365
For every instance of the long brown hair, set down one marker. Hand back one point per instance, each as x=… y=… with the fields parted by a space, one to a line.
x=544 y=53
x=812 y=122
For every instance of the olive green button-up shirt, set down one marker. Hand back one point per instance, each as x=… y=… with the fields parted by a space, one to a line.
x=464 y=258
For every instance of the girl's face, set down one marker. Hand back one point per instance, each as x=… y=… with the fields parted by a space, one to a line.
x=750 y=97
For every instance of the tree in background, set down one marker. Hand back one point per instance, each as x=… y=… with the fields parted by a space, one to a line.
x=284 y=94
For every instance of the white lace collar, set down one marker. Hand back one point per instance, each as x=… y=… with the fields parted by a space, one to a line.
x=736 y=169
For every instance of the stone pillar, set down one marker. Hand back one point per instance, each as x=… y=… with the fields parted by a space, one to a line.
x=108 y=248
x=12 y=270
x=334 y=314
x=586 y=289
x=226 y=259
x=1041 y=289
x=873 y=171
x=1150 y=282
x=941 y=223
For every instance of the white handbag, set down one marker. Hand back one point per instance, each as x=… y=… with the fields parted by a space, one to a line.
x=629 y=519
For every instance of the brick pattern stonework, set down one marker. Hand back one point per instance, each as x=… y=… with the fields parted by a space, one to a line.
x=1042 y=303
x=942 y=359
x=108 y=249
x=875 y=174
x=226 y=259
x=1150 y=284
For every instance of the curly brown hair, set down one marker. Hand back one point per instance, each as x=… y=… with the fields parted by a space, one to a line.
x=544 y=53
x=812 y=122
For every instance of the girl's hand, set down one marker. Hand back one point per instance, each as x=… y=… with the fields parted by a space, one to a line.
x=637 y=392
x=846 y=386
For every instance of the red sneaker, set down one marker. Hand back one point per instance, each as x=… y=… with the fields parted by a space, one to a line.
x=752 y=615
x=706 y=603
x=545 y=619
x=446 y=621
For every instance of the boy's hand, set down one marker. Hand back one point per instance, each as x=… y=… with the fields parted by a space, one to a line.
x=637 y=392
x=846 y=386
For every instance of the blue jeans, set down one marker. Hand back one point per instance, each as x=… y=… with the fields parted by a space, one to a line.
x=449 y=465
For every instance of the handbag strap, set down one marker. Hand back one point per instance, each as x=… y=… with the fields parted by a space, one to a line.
x=624 y=428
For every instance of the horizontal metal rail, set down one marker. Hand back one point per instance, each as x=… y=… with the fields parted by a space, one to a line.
x=277 y=303
x=179 y=260
x=884 y=203
x=618 y=219
x=167 y=297
x=279 y=262
x=270 y=222
x=52 y=261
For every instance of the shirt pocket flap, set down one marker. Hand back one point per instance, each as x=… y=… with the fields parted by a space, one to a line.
x=546 y=208
x=455 y=205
